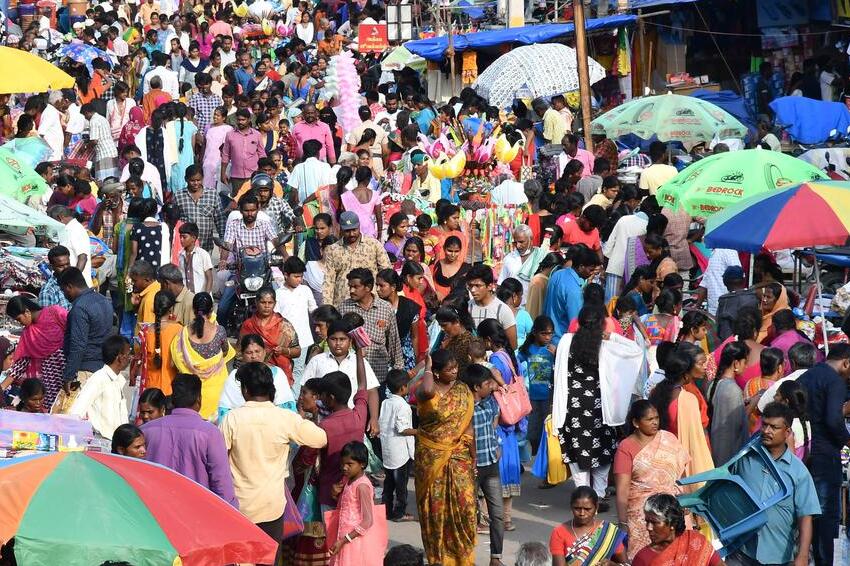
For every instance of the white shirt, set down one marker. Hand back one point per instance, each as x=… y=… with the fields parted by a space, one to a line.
x=772 y=142
x=170 y=84
x=325 y=363
x=391 y=117
x=615 y=246
x=509 y=193
x=712 y=280
x=76 y=239
x=295 y=305
x=201 y=263
x=770 y=392
x=120 y=47
x=227 y=57
x=308 y=176
x=231 y=395
x=76 y=122
x=101 y=402
x=396 y=416
x=50 y=128
x=510 y=268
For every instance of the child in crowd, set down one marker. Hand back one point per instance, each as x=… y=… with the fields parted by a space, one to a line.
x=772 y=363
x=153 y=404
x=487 y=452
x=31 y=396
x=194 y=261
x=536 y=358
x=295 y=301
x=84 y=203
x=285 y=141
x=510 y=292
x=397 y=432
x=423 y=227
x=356 y=509
x=101 y=398
x=322 y=317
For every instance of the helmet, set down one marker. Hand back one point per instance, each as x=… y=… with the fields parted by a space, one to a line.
x=262 y=181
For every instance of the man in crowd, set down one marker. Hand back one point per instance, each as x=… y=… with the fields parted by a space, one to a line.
x=573 y=151
x=522 y=262
x=204 y=102
x=659 y=172
x=380 y=147
x=485 y=304
x=201 y=206
x=554 y=125
x=59 y=259
x=590 y=184
x=189 y=445
x=311 y=173
x=564 y=295
x=352 y=250
x=737 y=298
x=242 y=148
x=75 y=239
x=171 y=279
x=170 y=84
x=105 y=160
x=310 y=128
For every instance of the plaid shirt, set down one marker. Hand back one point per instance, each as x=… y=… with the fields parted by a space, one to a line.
x=100 y=132
x=380 y=324
x=51 y=294
x=239 y=236
x=206 y=213
x=637 y=160
x=486 y=440
x=204 y=106
x=278 y=210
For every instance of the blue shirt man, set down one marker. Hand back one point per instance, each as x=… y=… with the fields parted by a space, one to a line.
x=564 y=297
x=774 y=542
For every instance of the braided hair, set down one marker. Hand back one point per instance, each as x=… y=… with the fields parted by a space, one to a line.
x=202 y=306
x=163 y=303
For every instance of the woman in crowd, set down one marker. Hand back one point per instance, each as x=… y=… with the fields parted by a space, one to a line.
x=160 y=370
x=791 y=393
x=640 y=288
x=128 y=440
x=635 y=253
x=39 y=352
x=670 y=541
x=281 y=340
x=536 y=296
x=182 y=131
x=451 y=269
x=119 y=109
x=414 y=252
x=149 y=238
x=504 y=362
x=314 y=277
x=678 y=408
x=388 y=284
x=214 y=139
x=785 y=335
x=253 y=348
x=774 y=299
x=647 y=461
x=444 y=465
x=658 y=252
x=456 y=325
x=694 y=330
x=448 y=224
x=586 y=540
x=153 y=404
x=396 y=235
x=203 y=350
x=663 y=325
x=415 y=287
x=746 y=330
x=193 y=64
x=365 y=202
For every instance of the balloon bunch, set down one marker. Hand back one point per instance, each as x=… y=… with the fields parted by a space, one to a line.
x=504 y=151
x=343 y=83
x=444 y=167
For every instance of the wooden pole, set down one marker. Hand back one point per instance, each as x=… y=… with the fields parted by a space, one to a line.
x=451 y=49
x=583 y=71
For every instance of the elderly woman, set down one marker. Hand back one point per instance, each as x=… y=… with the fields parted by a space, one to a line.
x=670 y=543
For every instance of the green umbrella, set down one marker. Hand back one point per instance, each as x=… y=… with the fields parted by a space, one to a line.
x=16 y=218
x=714 y=183
x=670 y=117
x=17 y=179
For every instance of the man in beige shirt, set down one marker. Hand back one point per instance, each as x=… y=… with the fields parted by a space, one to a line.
x=660 y=171
x=352 y=250
x=171 y=278
x=257 y=437
x=379 y=149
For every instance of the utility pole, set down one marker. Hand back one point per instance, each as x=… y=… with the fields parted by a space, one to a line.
x=583 y=71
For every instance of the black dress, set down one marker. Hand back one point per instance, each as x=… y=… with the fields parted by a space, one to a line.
x=149 y=241
x=585 y=440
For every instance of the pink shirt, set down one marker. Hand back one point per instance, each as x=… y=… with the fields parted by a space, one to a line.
x=319 y=131
x=587 y=159
x=242 y=149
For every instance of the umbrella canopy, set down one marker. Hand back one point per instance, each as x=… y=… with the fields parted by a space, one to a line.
x=84 y=53
x=807 y=214
x=17 y=179
x=670 y=117
x=17 y=218
x=84 y=508
x=714 y=183
x=400 y=57
x=30 y=150
x=21 y=71
x=543 y=69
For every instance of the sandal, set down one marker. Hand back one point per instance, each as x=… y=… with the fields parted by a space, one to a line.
x=406 y=518
x=483 y=529
x=509 y=526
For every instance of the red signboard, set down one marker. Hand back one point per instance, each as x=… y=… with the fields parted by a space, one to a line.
x=372 y=38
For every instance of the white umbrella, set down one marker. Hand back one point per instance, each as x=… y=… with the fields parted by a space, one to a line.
x=543 y=69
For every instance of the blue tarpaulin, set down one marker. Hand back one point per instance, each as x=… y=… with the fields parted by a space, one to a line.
x=808 y=120
x=434 y=48
x=731 y=102
x=638 y=4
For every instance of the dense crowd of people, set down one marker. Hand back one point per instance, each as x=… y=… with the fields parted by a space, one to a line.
x=388 y=339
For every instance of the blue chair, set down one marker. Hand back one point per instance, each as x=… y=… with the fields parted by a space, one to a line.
x=731 y=506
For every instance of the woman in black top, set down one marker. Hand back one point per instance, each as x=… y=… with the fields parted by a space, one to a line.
x=388 y=284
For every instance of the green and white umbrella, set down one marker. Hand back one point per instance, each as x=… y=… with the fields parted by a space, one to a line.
x=18 y=180
x=669 y=117
x=17 y=218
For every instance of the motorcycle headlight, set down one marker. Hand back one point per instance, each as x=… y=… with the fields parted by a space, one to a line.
x=253 y=283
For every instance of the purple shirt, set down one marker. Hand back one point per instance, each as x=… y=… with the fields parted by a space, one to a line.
x=242 y=149
x=785 y=341
x=319 y=131
x=193 y=447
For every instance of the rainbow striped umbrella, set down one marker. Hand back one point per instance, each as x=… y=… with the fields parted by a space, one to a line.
x=809 y=214
x=84 y=508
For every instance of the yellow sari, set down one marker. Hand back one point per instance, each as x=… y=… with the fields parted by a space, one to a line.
x=444 y=474
x=692 y=437
x=213 y=371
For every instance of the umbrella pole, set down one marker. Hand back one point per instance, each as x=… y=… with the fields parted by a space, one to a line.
x=820 y=302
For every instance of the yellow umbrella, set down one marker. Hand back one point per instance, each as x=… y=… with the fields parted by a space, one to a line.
x=21 y=71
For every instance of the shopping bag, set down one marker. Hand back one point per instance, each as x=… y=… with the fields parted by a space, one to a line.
x=375 y=465
x=558 y=472
x=293 y=524
x=540 y=468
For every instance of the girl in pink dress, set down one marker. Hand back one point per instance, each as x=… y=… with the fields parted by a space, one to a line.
x=355 y=510
x=365 y=203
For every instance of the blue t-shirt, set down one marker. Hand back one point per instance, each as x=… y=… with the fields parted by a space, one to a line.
x=539 y=370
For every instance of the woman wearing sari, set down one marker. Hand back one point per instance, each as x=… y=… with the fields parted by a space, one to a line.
x=456 y=325
x=746 y=329
x=277 y=332
x=212 y=150
x=663 y=326
x=774 y=298
x=123 y=250
x=414 y=252
x=635 y=252
x=39 y=353
x=414 y=287
x=679 y=409
x=329 y=197
x=647 y=461
x=451 y=269
x=159 y=367
x=658 y=252
x=444 y=466
x=203 y=350
x=671 y=544
x=448 y=224
x=586 y=540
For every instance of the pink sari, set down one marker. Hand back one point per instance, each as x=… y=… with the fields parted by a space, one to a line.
x=41 y=339
x=131 y=128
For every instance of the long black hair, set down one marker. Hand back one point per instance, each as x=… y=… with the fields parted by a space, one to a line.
x=492 y=330
x=587 y=340
x=678 y=363
x=202 y=306
x=794 y=395
x=541 y=324
x=163 y=302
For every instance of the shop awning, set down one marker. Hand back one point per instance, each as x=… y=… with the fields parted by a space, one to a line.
x=434 y=48
x=639 y=4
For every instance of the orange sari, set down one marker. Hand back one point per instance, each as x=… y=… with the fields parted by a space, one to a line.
x=276 y=332
x=688 y=549
x=161 y=377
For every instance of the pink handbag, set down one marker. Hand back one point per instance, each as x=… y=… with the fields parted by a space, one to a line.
x=514 y=404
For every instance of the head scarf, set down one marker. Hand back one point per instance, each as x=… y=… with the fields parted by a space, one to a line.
x=131 y=128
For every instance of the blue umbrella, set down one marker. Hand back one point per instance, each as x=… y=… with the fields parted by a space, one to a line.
x=84 y=53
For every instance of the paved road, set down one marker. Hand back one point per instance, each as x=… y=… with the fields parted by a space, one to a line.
x=535 y=514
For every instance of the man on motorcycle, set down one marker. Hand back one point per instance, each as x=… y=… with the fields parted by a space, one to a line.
x=278 y=210
x=249 y=235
